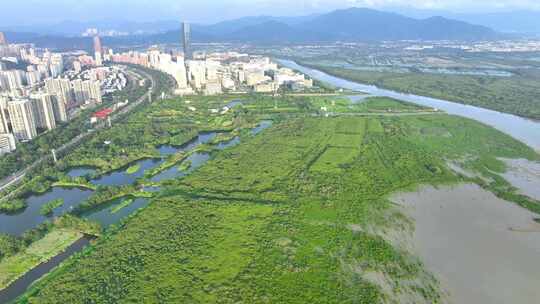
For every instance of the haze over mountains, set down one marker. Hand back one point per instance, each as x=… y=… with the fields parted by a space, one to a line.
x=354 y=24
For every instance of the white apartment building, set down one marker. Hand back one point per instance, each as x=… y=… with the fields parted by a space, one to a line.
x=44 y=111
x=23 y=122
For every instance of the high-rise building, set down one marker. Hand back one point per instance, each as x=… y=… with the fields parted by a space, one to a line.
x=61 y=88
x=4 y=85
x=21 y=115
x=78 y=92
x=4 y=116
x=56 y=65
x=196 y=73
x=7 y=143
x=13 y=78
x=94 y=90
x=3 y=40
x=98 y=49
x=33 y=78
x=186 y=31
x=59 y=110
x=43 y=111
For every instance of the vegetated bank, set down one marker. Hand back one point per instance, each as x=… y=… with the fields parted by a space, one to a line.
x=517 y=94
x=299 y=213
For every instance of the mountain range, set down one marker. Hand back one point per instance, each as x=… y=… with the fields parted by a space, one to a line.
x=354 y=24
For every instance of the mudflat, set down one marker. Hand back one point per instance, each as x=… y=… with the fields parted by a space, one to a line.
x=524 y=175
x=481 y=248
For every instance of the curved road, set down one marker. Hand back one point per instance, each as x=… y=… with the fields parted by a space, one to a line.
x=19 y=176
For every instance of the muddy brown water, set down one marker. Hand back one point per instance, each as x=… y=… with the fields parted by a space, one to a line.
x=481 y=248
x=524 y=175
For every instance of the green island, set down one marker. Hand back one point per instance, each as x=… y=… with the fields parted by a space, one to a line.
x=126 y=202
x=48 y=208
x=133 y=169
x=300 y=213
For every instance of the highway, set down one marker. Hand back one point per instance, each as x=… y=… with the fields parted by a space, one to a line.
x=19 y=176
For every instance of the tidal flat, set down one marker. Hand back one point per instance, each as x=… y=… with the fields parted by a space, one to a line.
x=524 y=175
x=481 y=248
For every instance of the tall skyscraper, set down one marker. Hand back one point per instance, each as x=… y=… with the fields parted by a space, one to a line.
x=43 y=111
x=98 y=49
x=3 y=40
x=187 y=41
x=23 y=123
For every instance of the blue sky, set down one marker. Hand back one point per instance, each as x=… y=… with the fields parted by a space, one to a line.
x=29 y=12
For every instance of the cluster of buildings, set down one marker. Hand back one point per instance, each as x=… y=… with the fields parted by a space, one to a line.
x=37 y=91
x=215 y=73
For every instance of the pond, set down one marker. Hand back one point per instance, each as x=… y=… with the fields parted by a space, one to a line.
x=31 y=217
x=80 y=171
x=107 y=215
x=17 y=224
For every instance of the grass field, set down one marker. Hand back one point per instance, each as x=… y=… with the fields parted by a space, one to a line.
x=41 y=251
x=296 y=214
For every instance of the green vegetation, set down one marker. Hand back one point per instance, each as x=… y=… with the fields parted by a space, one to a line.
x=133 y=169
x=296 y=214
x=184 y=166
x=48 y=208
x=75 y=183
x=40 y=251
x=104 y=195
x=171 y=161
x=516 y=95
x=29 y=152
x=12 y=206
x=126 y=202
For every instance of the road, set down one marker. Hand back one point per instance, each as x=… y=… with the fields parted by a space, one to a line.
x=19 y=176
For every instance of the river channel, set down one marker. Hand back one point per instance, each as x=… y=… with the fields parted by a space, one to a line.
x=523 y=129
x=481 y=248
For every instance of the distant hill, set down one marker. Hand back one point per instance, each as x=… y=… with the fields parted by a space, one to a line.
x=354 y=24
x=510 y=22
x=516 y=22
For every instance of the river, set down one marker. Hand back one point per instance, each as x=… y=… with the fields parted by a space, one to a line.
x=481 y=248
x=525 y=130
